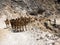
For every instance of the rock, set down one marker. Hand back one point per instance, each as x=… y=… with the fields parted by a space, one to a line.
x=58 y=21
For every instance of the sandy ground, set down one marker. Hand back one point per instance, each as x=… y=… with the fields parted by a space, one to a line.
x=8 y=38
x=31 y=37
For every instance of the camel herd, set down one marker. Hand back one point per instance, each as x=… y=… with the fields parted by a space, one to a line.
x=18 y=24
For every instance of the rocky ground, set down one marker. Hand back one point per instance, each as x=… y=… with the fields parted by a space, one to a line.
x=29 y=22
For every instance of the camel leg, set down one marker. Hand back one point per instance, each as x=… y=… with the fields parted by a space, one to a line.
x=16 y=29
x=22 y=29
x=25 y=28
x=19 y=28
x=13 y=28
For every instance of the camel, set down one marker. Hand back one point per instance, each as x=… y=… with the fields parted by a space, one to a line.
x=18 y=24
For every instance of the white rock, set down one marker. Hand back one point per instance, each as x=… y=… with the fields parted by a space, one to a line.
x=58 y=21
